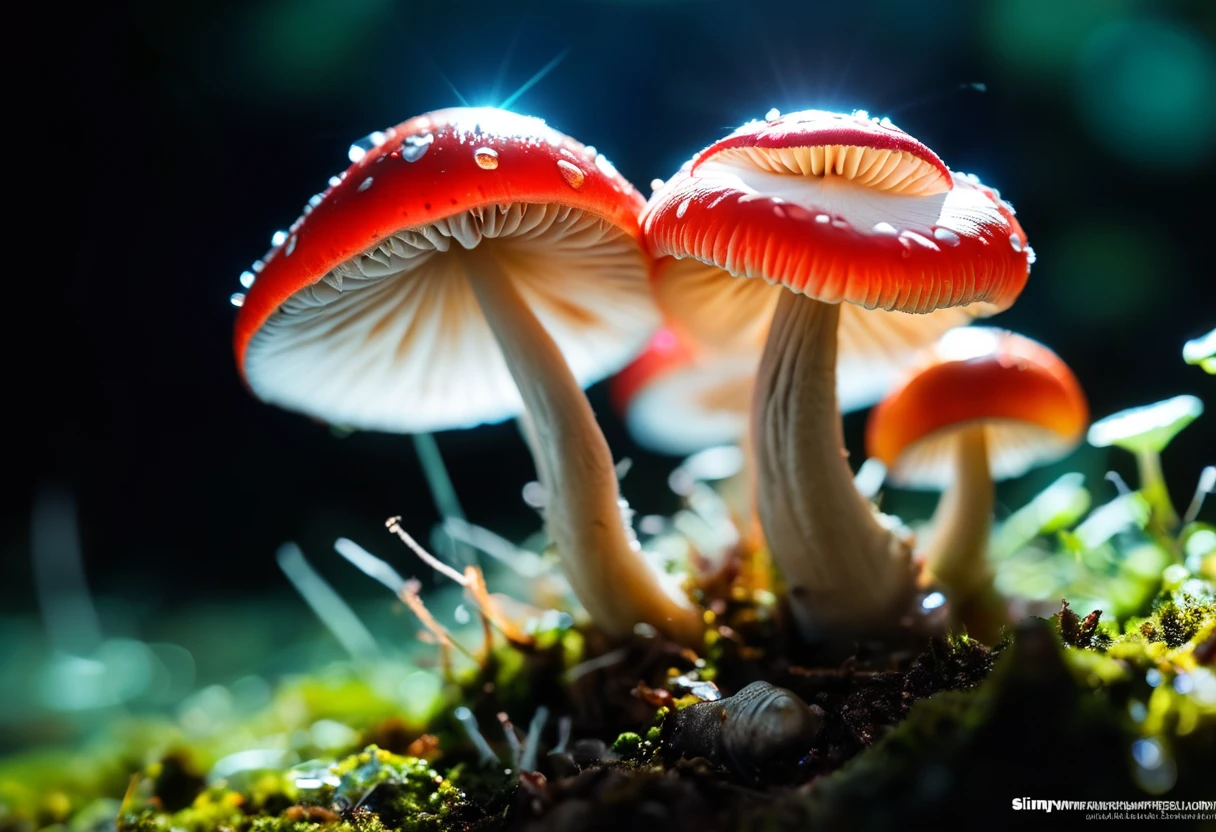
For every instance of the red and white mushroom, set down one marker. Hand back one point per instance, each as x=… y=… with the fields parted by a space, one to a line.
x=470 y=265
x=677 y=398
x=868 y=235
x=980 y=405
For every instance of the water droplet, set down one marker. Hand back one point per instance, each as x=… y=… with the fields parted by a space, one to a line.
x=257 y=266
x=415 y=147
x=933 y=600
x=572 y=173
x=278 y=238
x=884 y=228
x=334 y=181
x=247 y=278
x=1016 y=242
x=772 y=115
x=486 y=158
x=946 y=236
x=822 y=219
x=358 y=149
x=919 y=239
x=237 y=299
x=291 y=245
x=655 y=184
x=365 y=184
x=683 y=207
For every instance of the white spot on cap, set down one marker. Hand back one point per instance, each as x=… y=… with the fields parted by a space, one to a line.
x=316 y=199
x=822 y=219
x=247 y=278
x=334 y=181
x=884 y=228
x=655 y=184
x=278 y=238
x=237 y=298
x=258 y=265
x=772 y=115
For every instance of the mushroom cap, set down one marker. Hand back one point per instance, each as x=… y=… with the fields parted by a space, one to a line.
x=361 y=315
x=1202 y=351
x=1149 y=428
x=678 y=399
x=1027 y=400
x=841 y=208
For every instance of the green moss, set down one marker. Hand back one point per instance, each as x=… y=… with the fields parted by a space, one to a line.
x=627 y=745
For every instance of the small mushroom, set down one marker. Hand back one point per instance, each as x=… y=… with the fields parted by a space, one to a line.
x=1202 y=351
x=852 y=244
x=980 y=405
x=678 y=398
x=1146 y=431
x=761 y=731
x=470 y=265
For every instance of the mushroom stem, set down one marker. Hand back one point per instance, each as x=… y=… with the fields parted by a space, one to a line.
x=601 y=558
x=961 y=523
x=846 y=573
x=956 y=554
x=1153 y=487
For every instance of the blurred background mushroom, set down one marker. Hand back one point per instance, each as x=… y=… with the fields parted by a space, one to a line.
x=979 y=405
x=1145 y=432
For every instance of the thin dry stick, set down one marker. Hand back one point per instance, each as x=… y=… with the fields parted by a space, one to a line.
x=472 y=580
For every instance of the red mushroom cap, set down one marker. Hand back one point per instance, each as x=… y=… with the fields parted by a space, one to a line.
x=1026 y=397
x=871 y=217
x=678 y=399
x=840 y=208
x=356 y=303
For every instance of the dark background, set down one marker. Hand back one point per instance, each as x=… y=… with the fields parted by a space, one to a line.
x=167 y=141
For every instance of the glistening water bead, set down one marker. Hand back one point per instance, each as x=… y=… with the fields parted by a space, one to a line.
x=572 y=173
x=486 y=158
x=414 y=148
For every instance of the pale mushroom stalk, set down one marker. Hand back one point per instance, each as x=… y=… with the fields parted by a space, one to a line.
x=602 y=561
x=956 y=554
x=1154 y=489
x=963 y=518
x=844 y=570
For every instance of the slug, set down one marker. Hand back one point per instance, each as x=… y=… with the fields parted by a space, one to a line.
x=761 y=731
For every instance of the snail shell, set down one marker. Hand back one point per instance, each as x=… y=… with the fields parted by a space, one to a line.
x=752 y=733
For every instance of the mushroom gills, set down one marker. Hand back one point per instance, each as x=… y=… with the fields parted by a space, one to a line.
x=881 y=169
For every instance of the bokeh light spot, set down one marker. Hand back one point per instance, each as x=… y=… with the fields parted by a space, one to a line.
x=1148 y=92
